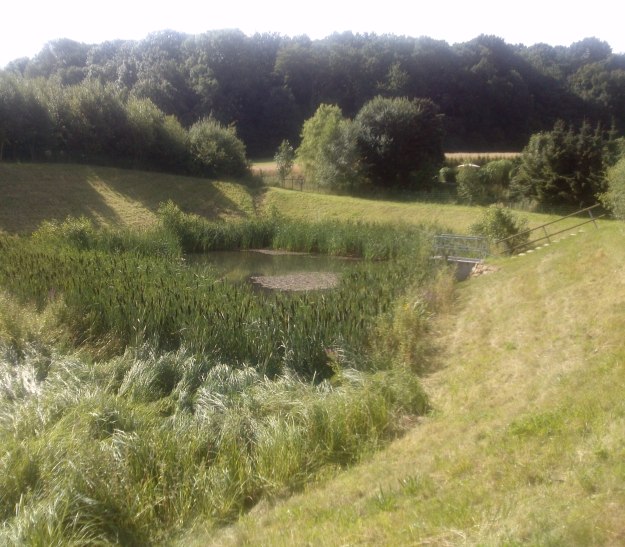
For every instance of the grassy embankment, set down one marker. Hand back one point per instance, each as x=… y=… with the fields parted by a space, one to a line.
x=518 y=447
x=115 y=197
x=108 y=196
x=525 y=444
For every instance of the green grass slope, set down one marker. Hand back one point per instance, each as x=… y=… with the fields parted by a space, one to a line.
x=526 y=444
x=32 y=193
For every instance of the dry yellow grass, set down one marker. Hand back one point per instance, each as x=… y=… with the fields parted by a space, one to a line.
x=481 y=155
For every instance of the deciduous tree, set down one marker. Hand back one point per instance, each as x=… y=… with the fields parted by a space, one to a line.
x=400 y=141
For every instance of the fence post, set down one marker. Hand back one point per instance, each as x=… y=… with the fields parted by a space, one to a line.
x=546 y=234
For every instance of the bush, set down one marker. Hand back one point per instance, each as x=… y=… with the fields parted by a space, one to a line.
x=499 y=223
x=497 y=178
x=284 y=158
x=447 y=174
x=328 y=153
x=614 y=198
x=471 y=183
x=564 y=166
x=216 y=150
x=400 y=142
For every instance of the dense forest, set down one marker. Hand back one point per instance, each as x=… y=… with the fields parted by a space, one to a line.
x=86 y=102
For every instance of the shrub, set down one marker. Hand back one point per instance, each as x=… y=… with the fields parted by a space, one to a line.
x=499 y=223
x=497 y=178
x=563 y=166
x=284 y=158
x=614 y=198
x=216 y=150
x=447 y=174
x=471 y=183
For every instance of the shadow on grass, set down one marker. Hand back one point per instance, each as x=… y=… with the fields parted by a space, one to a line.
x=32 y=193
x=194 y=195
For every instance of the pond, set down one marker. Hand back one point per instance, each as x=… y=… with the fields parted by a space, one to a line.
x=276 y=269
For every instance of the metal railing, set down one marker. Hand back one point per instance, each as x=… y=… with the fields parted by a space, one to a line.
x=455 y=246
x=512 y=247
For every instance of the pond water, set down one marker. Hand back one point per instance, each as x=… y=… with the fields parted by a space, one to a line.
x=237 y=266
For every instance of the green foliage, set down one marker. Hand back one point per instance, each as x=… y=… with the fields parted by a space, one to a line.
x=156 y=140
x=217 y=396
x=498 y=174
x=327 y=153
x=350 y=239
x=80 y=234
x=115 y=299
x=499 y=223
x=403 y=336
x=447 y=174
x=563 y=166
x=492 y=93
x=90 y=462
x=400 y=141
x=471 y=183
x=196 y=234
x=486 y=184
x=614 y=198
x=216 y=150
x=285 y=159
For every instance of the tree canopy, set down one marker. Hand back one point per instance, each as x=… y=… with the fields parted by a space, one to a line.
x=400 y=141
x=564 y=165
x=493 y=95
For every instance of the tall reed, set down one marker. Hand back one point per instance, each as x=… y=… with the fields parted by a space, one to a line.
x=205 y=396
x=131 y=450
x=128 y=298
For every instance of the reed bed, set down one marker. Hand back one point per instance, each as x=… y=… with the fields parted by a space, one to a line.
x=101 y=454
x=128 y=299
x=192 y=398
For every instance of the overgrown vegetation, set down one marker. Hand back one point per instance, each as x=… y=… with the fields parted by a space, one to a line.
x=156 y=394
x=564 y=166
x=498 y=223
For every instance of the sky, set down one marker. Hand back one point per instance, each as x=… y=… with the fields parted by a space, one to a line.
x=25 y=26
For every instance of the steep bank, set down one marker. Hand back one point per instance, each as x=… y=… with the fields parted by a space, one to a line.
x=526 y=443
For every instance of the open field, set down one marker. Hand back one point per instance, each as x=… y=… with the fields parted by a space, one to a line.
x=466 y=156
x=116 y=197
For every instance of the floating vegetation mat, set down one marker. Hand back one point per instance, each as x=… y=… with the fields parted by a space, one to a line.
x=307 y=281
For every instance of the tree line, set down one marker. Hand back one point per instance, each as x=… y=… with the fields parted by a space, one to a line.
x=492 y=95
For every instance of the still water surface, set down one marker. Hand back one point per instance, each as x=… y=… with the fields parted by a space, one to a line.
x=240 y=265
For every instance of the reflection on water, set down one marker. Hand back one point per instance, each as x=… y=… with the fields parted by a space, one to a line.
x=240 y=265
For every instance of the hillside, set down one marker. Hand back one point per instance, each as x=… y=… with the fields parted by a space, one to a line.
x=32 y=193
x=526 y=442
